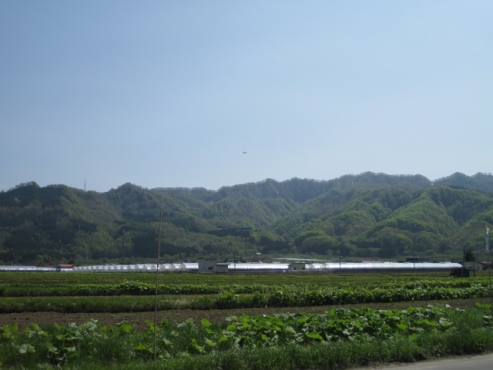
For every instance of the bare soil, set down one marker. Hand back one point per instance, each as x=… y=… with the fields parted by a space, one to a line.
x=139 y=319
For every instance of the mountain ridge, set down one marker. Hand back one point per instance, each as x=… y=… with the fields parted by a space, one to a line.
x=370 y=215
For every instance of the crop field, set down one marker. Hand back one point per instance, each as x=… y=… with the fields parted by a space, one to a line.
x=239 y=321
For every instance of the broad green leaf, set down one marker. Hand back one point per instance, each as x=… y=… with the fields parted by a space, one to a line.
x=314 y=335
x=26 y=348
x=402 y=327
x=222 y=339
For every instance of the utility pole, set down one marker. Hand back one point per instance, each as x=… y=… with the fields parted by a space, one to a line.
x=123 y=247
x=157 y=280
x=487 y=247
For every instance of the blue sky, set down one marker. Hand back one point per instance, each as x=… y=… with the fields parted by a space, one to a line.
x=171 y=93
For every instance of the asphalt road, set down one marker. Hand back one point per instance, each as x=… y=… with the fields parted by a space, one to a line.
x=480 y=362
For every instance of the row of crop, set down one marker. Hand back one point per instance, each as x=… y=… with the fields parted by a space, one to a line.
x=228 y=299
x=132 y=288
x=324 y=297
x=382 y=295
x=64 y=345
x=138 y=288
x=143 y=288
x=336 y=324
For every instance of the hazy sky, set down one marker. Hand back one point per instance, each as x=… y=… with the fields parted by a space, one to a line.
x=171 y=93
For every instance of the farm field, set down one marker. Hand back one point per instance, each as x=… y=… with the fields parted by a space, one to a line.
x=139 y=319
x=214 y=312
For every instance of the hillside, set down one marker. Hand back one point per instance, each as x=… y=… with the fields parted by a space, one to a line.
x=355 y=216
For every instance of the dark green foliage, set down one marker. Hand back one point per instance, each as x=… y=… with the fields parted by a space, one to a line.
x=365 y=215
x=339 y=338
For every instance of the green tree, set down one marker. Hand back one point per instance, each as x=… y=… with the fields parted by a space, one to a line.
x=319 y=244
x=392 y=243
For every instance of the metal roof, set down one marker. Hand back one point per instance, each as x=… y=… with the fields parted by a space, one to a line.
x=251 y=266
x=26 y=268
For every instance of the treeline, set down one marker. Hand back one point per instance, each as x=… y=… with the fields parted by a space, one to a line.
x=358 y=216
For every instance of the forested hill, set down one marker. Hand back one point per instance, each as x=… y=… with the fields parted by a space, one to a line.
x=358 y=216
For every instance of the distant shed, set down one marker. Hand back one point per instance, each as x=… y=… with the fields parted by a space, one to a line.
x=221 y=267
x=211 y=265
x=297 y=266
x=207 y=264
